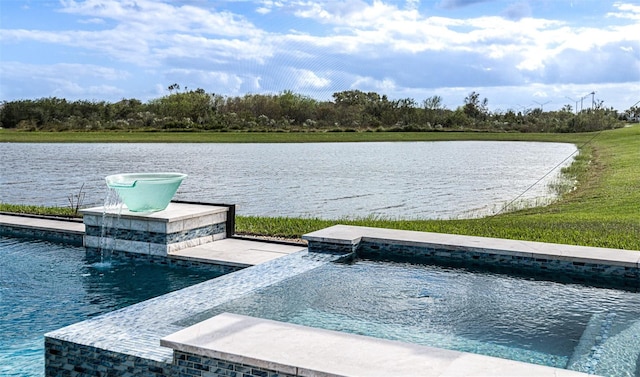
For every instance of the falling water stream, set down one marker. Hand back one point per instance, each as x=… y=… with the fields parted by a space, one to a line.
x=109 y=230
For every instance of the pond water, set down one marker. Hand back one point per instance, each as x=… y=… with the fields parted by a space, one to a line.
x=398 y=180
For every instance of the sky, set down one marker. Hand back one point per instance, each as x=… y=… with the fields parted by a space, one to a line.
x=519 y=54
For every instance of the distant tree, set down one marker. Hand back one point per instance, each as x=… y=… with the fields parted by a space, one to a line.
x=433 y=110
x=474 y=107
x=183 y=110
x=349 y=110
x=433 y=103
x=173 y=87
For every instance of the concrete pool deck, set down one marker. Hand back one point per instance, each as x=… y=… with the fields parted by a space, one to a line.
x=237 y=252
x=62 y=225
x=38 y=227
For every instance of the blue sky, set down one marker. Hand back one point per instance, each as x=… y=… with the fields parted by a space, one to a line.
x=517 y=53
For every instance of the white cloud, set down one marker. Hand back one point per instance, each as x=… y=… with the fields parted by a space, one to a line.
x=385 y=85
x=160 y=17
x=94 y=21
x=626 y=10
x=307 y=78
x=214 y=50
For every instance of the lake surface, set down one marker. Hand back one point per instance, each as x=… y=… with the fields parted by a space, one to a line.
x=407 y=180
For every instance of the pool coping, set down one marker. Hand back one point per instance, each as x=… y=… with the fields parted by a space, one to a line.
x=62 y=230
x=352 y=236
x=306 y=351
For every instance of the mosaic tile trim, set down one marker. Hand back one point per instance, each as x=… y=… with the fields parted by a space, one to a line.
x=332 y=248
x=62 y=359
x=96 y=255
x=581 y=272
x=63 y=237
x=191 y=365
x=153 y=237
x=69 y=359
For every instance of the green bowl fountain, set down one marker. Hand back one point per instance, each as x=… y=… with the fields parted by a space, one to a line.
x=145 y=192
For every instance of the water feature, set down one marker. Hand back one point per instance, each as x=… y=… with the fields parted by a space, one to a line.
x=145 y=192
x=142 y=193
x=45 y=286
x=327 y=180
x=550 y=323
x=112 y=205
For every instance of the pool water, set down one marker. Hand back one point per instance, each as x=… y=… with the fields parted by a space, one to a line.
x=571 y=326
x=46 y=286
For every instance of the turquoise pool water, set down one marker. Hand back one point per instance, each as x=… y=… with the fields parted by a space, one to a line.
x=45 y=286
x=571 y=326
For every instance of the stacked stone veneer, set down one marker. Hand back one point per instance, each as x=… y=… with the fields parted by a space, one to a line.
x=178 y=227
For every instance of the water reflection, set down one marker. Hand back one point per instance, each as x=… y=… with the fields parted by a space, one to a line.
x=327 y=180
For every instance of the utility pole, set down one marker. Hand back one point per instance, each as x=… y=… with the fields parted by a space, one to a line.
x=523 y=109
x=576 y=101
x=592 y=94
x=542 y=104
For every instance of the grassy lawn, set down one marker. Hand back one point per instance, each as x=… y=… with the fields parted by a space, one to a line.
x=271 y=137
x=604 y=209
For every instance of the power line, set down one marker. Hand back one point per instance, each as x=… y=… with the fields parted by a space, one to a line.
x=544 y=176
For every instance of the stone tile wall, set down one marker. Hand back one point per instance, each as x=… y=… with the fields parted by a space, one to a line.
x=66 y=359
x=332 y=248
x=150 y=241
x=64 y=237
x=190 y=365
x=153 y=237
x=95 y=255
x=555 y=269
x=70 y=359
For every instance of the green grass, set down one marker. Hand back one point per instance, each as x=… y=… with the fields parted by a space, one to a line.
x=269 y=137
x=38 y=210
x=604 y=209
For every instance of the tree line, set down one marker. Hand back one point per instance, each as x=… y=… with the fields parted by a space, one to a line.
x=351 y=110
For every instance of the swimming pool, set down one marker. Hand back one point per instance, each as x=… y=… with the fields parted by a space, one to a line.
x=45 y=286
x=583 y=328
